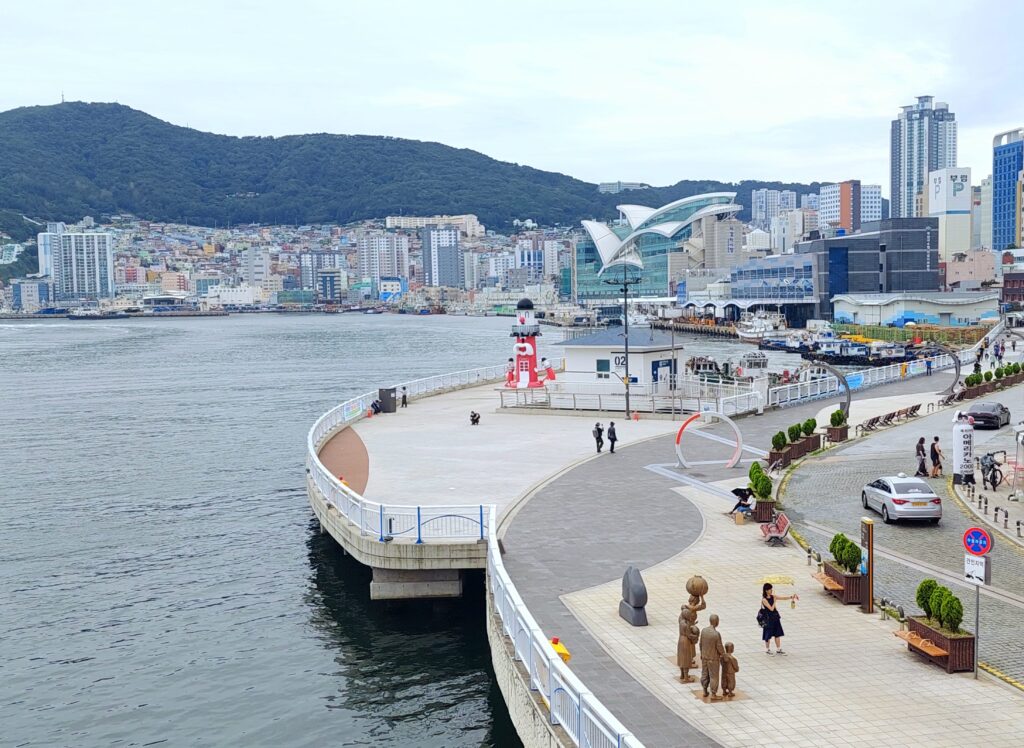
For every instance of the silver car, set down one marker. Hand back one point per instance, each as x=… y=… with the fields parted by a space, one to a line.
x=899 y=497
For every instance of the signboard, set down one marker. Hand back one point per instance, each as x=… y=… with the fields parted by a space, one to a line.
x=950 y=191
x=977 y=569
x=963 y=451
x=977 y=541
x=855 y=380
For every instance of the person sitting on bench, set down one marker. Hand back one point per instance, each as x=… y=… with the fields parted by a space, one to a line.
x=743 y=504
x=474 y=418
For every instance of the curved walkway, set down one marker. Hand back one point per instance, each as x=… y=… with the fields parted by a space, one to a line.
x=586 y=526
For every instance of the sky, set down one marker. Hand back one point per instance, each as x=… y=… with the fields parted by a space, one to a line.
x=643 y=91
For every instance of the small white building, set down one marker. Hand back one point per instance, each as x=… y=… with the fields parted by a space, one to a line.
x=601 y=357
x=950 y=309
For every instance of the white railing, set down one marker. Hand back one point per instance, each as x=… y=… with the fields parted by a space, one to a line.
x=570 y=705
x=871 y=377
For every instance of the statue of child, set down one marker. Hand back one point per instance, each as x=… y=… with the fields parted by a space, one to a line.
x=729 y=669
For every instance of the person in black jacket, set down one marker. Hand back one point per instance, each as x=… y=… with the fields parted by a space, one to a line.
x=612 y=438
x=598 y=433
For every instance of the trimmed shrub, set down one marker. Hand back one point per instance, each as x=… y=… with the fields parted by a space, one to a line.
x=988 y=376
x=779 y=441
x=999 y=372
x=952 y=613
x=794 y=432
x=939 y=595
x=924 y=596
x=1016 y=368
x=851 y=557
x=837 y=419
x=763 y=487
x=838 y=540
x=755 y=470
x=809 y=426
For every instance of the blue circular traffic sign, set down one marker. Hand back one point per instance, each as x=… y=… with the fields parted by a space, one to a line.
x=977 y=541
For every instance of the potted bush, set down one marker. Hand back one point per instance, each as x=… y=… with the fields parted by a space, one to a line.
x=987 y=386
x=973 y=384
x=845 y=569
x=943 y=614
x=779 y=452
x=812 y=440
x=764 y=509
x=796 y=446
x=839 y=430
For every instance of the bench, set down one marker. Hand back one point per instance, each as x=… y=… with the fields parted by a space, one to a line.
x=914 y=642
x=947 y=400
x=827 y=582
x=887 y=419
x=902 y=413
x=775 y=532
x=913 y=410
x=869 y=425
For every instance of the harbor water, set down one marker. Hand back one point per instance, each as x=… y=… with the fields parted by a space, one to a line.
x=163 y=580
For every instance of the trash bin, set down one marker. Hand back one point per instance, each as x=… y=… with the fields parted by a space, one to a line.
x=386 y=395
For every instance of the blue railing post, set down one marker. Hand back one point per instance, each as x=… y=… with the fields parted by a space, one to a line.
x=381 y=538
x=481 y=521
x=419 y=534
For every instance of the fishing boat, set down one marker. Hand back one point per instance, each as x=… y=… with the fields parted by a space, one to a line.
x=95 y=314
x=754 y=327
x=703 y=365
x=838 y=352
x=753 y=361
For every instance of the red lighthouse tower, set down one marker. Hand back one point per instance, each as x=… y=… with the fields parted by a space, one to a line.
x=523 y=373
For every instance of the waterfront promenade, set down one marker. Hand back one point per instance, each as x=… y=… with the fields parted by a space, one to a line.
x=574 y=521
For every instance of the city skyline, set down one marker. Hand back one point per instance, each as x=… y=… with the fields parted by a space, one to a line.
x=545 y=92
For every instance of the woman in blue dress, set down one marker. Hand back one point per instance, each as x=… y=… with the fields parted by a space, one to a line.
x=773 y=621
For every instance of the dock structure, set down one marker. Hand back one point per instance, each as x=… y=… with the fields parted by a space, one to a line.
x=695 y=328
x=422 y=496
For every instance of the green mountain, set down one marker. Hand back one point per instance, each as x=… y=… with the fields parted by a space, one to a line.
x=65 y=161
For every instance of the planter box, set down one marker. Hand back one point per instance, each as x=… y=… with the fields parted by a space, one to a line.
x=838 y=433
x=972 y=392
x=960 y=648
x=796 y=450
x=812 y=443
x=764 y=511
x=781 y=457
x=854 y=585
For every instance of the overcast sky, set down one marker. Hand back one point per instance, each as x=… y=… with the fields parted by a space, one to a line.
x=639 y=91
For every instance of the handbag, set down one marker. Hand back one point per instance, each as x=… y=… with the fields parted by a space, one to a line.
x=762 y=616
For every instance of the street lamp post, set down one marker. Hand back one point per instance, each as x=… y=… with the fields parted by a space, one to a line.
x=624 y=289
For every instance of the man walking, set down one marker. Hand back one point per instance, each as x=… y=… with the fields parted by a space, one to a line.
x=922 y=465
x=598 y=433
x=936 y=455
x=612 y=438
x=711 y=651
x=405 y=398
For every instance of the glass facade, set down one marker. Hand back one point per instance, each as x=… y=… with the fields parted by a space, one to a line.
x=782 y=278
x=1007 y=163
x=653 y=249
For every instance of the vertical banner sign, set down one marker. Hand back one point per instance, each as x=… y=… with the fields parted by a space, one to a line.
x=867 y=544
x=963 y=452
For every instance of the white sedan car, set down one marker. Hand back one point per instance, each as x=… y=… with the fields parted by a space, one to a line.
x=899 y=497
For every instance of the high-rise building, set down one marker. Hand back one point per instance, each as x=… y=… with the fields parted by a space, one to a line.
x=530 y=257
x=809 y=201
x=870 y=202
x=255 y=265
x=790 y=227
x=766 y=204
x=83 y=266
x=985 y=210
x=442 y=256
x=1007 y=163
x=383 y=254
x=949 y=201
x=310 y=263
x=922 y=140
x=45 y=243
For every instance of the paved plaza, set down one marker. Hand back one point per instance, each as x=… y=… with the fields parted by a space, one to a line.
x=844 y=680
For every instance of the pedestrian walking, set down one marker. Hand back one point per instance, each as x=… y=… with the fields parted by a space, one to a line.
x=936 y=455
x=1013 y=346
x=928 y=367
x=598 y=433
x=772 y=628
x=405 y=398
x=612 y=437
x=922 y=465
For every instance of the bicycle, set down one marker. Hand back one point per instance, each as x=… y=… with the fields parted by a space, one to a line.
x=991 y=475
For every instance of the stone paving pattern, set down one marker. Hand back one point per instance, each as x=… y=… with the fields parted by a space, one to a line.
x=844 y=680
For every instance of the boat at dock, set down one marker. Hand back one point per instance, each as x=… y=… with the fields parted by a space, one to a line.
x=96 y=315
x=754 y=327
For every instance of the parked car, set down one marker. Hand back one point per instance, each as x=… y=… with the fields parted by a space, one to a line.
x=899 y=497
x=989 y=415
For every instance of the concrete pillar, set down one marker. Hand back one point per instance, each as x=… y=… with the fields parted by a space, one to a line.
x=411 y=584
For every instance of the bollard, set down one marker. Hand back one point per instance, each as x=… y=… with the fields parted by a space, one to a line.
x=1019 y=523
x=986 y=503
x=810 y=553
x=995 y=514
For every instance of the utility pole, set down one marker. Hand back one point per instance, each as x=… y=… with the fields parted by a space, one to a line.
x=624 y=289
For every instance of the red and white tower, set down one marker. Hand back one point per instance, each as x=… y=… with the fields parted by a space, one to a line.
x=525 y=331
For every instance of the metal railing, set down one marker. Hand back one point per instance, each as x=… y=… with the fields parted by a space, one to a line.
x=870 y=377
x=570 y=705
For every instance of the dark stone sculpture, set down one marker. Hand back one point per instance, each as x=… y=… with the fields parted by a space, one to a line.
x=634 y=598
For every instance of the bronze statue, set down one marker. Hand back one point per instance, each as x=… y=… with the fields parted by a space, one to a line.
x=729 y=669
x=711 y=651
x=697 y=587
x=686 y=646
